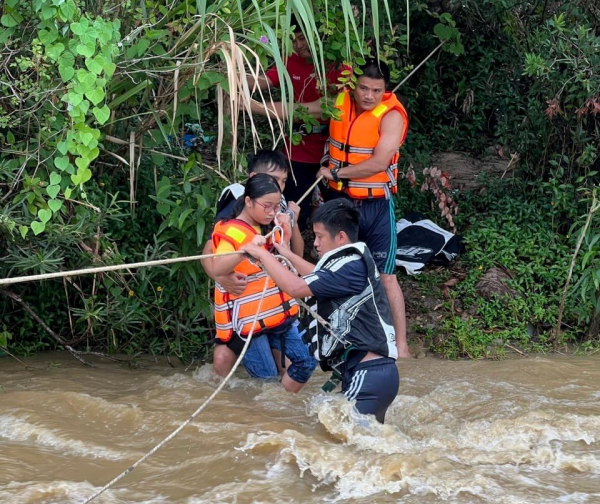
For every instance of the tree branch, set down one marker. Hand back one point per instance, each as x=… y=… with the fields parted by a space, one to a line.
x=36 y=317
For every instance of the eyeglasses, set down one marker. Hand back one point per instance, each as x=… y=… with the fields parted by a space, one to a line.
x=268 y=207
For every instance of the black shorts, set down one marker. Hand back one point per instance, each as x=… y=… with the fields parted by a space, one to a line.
x=373 y=384
x=235 y=343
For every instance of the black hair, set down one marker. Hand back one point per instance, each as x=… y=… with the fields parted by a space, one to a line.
x=268 y=160
x=256 y=186
x=294 y=22
x=375 y=69
x=338 y=215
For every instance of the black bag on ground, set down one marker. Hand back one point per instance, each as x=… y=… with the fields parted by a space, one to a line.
x=422 y=242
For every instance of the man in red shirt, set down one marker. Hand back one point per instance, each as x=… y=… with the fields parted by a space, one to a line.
x=305 y=157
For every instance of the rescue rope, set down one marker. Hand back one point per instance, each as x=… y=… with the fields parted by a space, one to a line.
x=326 y=325
x=419 y=66
x=161 y=262
x=310 y=189
x=114 y=267
x=195 y=414
x=320 y=319
x=144 y=264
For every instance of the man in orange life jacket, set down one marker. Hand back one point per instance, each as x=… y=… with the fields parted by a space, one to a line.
x=362 y=165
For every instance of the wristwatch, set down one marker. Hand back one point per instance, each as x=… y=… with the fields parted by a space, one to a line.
x=334 y=174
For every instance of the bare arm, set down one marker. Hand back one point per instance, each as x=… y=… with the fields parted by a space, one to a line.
x=234 y=282
x=287 y=281
x=279 y=110
x=392 y=126
x=207 y=263
x=303 y=267
x=262 y=82
x=297 y=242
x=225 y=265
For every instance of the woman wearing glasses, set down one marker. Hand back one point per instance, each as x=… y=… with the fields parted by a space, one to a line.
x=253 y=215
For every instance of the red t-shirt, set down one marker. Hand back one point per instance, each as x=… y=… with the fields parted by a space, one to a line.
x=304 y=82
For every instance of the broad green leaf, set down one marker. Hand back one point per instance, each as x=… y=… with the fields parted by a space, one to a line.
x=11 y=19
x=75 y=98
x=101 y=114
x=87 y=80
x=200 y=225
x=54 y=51
x=80 y=28
x=23 y=230
x=37 y=227
x=55 y=205
x=61 y=162
x=163 y=208
x=66 y=72
x=48 y=12
x=89 y=36
x=109 y=69
x=53 y=191
x=68 y=192
x=62 y=147
x=442 y=31
x=67 y=59
x=55 y=178
x=88 y=153
x=86 y=175
x=93 y=65
x=84 y=151
x=46 y=37
x=88 y=49
x=104 y=33
x=184 y=215
x=141 y=46
x=86 y=137
x=95 y=95
x=68 y=10
x=83 y=107
x=45 y=215
x=82 y=163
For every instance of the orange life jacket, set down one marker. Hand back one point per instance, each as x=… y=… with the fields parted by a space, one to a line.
x=353 y=139
x=236 y=313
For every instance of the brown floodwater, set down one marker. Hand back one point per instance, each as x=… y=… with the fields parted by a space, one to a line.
x=523 y=430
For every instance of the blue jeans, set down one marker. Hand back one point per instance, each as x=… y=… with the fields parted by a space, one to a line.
x=259 y=361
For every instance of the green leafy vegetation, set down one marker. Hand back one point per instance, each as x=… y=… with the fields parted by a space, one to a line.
x=121 y=121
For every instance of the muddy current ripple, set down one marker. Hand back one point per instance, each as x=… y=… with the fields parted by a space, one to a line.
x=509 y=432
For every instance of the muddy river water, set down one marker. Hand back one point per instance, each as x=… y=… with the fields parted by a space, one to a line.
x=522 y=430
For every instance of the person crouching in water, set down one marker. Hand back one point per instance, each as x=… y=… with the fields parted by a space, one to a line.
x=361 y=343
x=253 y=214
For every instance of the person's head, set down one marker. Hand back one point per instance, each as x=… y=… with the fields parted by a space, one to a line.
x=261 y=200
x=300 y=44
x=272 y=162
x=335 y=223
x=371 y=84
